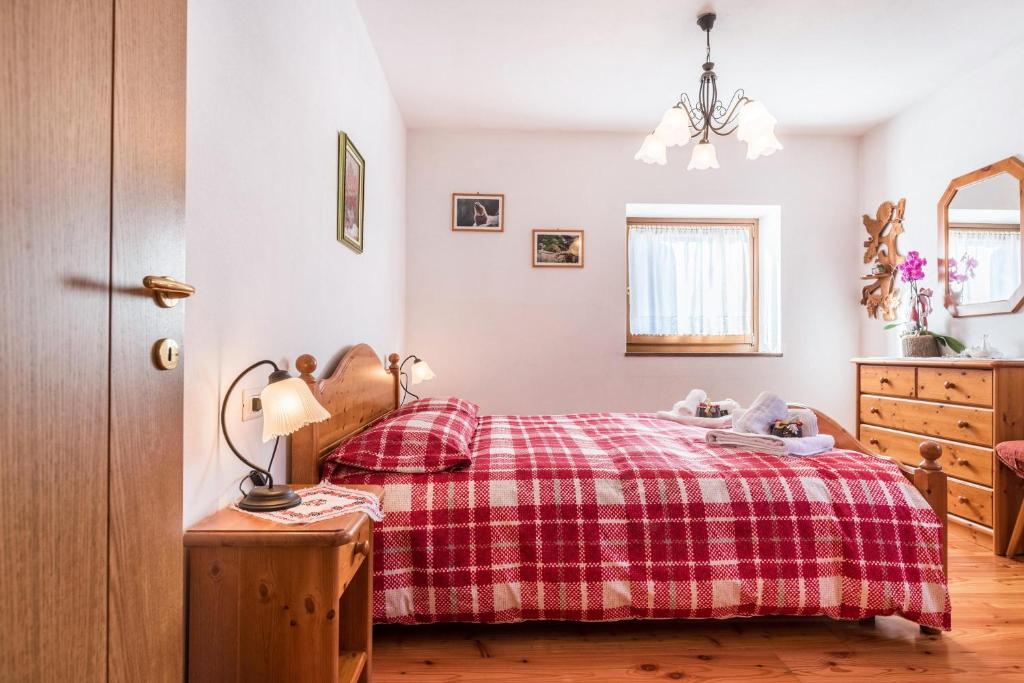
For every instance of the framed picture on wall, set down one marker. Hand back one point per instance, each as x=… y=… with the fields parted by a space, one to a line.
x=478 y=212
x=557 y=248
x=351 y=186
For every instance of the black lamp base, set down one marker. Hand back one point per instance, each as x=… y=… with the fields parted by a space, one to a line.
x=270 y=498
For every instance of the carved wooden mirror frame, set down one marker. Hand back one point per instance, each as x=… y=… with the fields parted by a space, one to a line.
x=1013 y=167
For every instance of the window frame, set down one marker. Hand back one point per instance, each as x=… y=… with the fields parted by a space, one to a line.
x=701 y=344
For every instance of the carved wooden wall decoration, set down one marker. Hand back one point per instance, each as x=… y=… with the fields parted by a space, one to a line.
x=881 y=247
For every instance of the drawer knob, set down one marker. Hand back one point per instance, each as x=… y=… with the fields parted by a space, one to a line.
x=884 y=380
x=873 y=442
x=962 y=500
x=361 y=548
x=963 y=424
x=875 y=411
x=949 y=385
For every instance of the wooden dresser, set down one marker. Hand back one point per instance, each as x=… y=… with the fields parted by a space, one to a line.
x=967 y=406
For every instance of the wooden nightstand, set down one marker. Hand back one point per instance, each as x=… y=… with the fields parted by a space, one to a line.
x=270 y=602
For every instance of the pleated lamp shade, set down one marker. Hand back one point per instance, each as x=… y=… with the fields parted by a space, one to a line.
x=421 y=372
x=289 y=405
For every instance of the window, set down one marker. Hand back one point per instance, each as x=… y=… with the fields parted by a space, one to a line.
x=693 y=285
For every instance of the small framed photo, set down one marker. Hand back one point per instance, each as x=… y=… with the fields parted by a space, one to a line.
x=557 y=248
x=351 y=186
x=478 y=212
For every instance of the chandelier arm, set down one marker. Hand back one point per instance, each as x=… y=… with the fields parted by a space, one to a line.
x=698 y=123
x=686 y=106
x=721 y=130
x=726 y=122
x=731 y=108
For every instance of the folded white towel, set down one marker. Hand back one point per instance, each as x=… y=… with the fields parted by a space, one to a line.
x=762 y=443
x=807 y=417
x=723 y=422
x=688 y=406
x=772 y=445
x=765 y=409
x=810 y=445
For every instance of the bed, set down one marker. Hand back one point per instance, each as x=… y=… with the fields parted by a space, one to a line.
x=608 y=516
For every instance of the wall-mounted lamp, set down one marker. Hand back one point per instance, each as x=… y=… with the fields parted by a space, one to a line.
x=419 y=372
x=287 y=405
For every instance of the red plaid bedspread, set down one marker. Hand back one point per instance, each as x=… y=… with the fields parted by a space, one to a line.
x=619 y=516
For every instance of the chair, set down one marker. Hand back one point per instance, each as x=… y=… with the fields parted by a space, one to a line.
x=1012 y=455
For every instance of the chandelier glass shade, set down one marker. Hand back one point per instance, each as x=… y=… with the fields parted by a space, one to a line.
x=687 y=120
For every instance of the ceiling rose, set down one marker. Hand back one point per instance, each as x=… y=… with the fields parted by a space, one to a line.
x=686 y=120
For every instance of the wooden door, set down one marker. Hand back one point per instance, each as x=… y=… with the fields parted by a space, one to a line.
x=92 y=141
x=148 y=238
x=55 y=147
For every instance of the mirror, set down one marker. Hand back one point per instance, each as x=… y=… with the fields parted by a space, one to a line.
x=980 y=240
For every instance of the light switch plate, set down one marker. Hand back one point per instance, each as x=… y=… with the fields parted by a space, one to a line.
x=247 y=412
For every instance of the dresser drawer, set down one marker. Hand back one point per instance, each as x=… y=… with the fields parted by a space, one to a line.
x=957 y=423
x=887 y=380
x=951 y=385
x=958 y=460
x=970 y=501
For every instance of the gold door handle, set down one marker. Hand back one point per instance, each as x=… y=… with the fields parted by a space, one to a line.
x=166 y=290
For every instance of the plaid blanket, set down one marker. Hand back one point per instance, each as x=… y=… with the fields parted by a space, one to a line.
x=621 y=516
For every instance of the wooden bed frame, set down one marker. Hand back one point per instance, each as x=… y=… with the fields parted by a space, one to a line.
x=361 y=390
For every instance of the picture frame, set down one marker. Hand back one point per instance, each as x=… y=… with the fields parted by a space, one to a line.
x=351 y=193
x=557 y=248
x=478 y=212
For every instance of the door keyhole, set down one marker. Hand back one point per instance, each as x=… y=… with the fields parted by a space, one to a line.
x=167 y=353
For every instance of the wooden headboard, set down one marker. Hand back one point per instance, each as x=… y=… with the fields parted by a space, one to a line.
x=358 y=393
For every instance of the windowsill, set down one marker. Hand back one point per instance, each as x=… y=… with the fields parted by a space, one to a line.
x=656 y=354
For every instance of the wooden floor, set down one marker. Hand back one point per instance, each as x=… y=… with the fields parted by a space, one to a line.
x=985 y=645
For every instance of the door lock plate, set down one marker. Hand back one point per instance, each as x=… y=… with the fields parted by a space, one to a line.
x=166 y=353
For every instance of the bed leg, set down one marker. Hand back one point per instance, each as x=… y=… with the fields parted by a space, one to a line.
x=930 y=480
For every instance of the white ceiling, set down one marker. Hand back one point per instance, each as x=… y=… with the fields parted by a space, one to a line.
x=819 y=65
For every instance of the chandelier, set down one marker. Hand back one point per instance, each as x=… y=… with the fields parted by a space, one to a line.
x=685 y=120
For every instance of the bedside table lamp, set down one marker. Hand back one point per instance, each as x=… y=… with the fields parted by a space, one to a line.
x=419 y=372
x=287 y=405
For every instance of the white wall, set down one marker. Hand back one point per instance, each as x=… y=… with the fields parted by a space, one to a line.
x=523 y=340
x=269 y=87
x=973 y=121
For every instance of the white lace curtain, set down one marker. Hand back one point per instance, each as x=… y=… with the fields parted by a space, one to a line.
x=998 y=255
x=690 y=280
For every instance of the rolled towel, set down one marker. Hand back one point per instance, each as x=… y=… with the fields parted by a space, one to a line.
x=723 y=422
x=688 y=406
x=808 y=419
x=765 y=409
x=727 y=404
x=771 y=445
x=805 y=415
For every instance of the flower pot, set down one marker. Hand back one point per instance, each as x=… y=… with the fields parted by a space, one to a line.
x=920 y=346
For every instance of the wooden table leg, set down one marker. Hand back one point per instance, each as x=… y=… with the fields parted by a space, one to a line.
x=356 y=627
